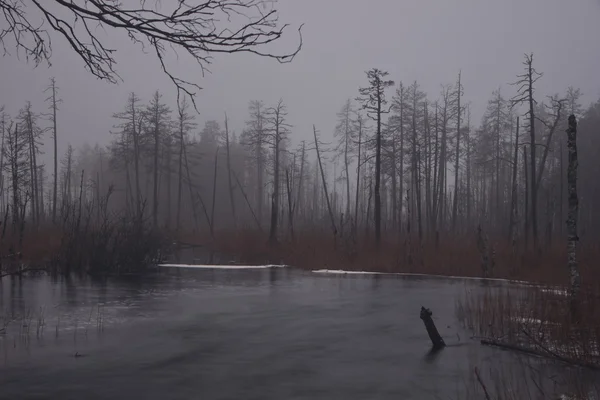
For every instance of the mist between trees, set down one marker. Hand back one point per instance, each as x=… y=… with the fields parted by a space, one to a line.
x=404 y=167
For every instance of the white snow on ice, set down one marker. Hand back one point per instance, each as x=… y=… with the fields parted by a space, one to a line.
x=339 y=271
x=231 y=266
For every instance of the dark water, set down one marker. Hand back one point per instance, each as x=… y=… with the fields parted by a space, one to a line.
x=263 y=334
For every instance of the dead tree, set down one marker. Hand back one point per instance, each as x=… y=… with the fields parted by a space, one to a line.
x=373 y=100
x=3 y=121
x=185 y=124
x=513 y=196
x=290 y=202
x=360 y=128
x=416 y=97
x=557 y=106
x=28 y=122
x=399 y=106
x=231 y=198
x=301 y=178
x=345 y=146
x=15 y=154
x=254 y=138
x=214 y=195
x=525 y=95
x=457 y=155
x=329 y=209
x=278 y=132
x=54 y=101
x=194 y=28
x=131 y=120
x=158 y=116
x=436 y=340
x=572 y=214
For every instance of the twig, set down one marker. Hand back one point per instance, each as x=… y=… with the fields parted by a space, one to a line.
x=487 y=395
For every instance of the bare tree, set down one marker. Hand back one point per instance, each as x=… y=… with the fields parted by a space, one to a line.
x=199 y=29
x=525 y=85
x=16 y=155
x=459 y=111
x=573 y=209
x=254 y=138
x=158 y=116
x=397 y=122
x=373 y=101
x=185 y=124
x=360 y=129
x=277 y=133
x=131 y=123
x=28 y=121
x=345 y=145
x=53 y=106
x=3 y=128
x=324 y=181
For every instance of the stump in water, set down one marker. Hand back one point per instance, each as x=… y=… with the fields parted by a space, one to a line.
x=434 y=335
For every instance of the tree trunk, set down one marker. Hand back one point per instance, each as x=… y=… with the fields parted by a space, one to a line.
x=497 y=189
x=155 y=185
x=290 y=205
x=358 y=167
x=231 y=198
x=136 y=164
x=401 y=172
x=331 y=215
x=547 y=146
x=525 y=163
x=33 y=169
x=457 y=161
x=300 y=180
x=428 y=166
x=532 y=146
x=513 y=196
x=214 y=196
x=55 y=142
x=275 y=194
x=573 y=211
x=189 y=182
x=416 y=165
x=378 y=173
x=180 y=173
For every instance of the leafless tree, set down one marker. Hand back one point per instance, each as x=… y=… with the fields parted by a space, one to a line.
x=159 y=125
x=372 y=99
x=198 y=29
x=278 y=132
x=254 y=139
x=345 y=145
x=526 y=89
x=185 y=123
x=53 y=101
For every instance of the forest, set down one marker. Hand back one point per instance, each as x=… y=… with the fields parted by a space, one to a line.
x=408 y=181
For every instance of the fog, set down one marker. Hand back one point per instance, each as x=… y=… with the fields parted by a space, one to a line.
x=428 y=41
x=445 y=157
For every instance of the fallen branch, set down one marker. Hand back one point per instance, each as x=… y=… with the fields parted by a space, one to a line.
x=544 y=354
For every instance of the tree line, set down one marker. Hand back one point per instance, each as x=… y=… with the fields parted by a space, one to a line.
x=401 y=163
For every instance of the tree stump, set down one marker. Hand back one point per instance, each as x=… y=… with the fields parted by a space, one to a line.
x=434 y=335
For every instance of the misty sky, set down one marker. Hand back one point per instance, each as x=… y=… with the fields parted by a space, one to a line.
x=424 y=40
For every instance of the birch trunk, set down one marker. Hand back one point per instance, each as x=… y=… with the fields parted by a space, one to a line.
x=573 y=203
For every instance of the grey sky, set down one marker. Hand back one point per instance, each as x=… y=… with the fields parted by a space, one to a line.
x=424 y=40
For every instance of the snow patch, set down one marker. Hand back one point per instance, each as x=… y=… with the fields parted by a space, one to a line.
x=339 y=271
x=558 y=292
x=232 y=266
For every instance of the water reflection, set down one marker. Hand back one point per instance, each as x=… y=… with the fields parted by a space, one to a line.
x=253 y=334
